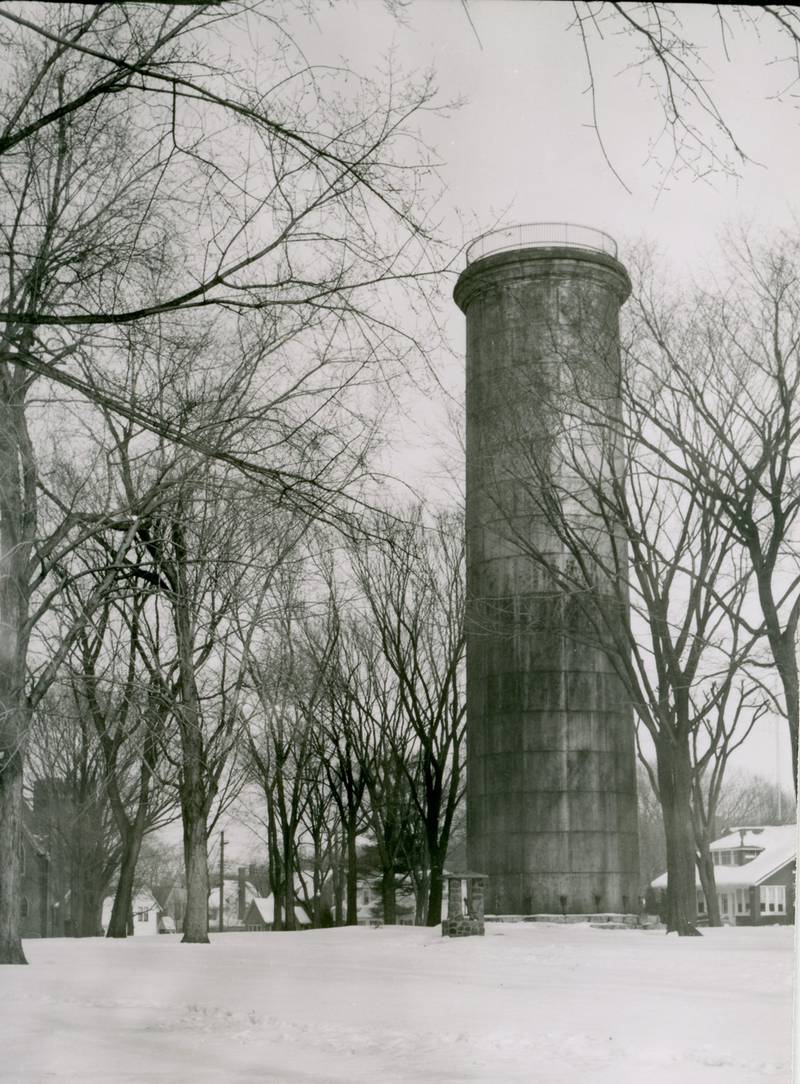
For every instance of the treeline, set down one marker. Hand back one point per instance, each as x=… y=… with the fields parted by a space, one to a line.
x=206 y=277
x=332 y=685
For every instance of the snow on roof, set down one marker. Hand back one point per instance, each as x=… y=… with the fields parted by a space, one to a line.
x=145 y=900
x=231 y=892
x=265 y=905
x=162 y=891
x=778 y=846
x=761 y=836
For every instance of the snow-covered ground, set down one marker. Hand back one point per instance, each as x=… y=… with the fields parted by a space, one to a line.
x=533 y=1003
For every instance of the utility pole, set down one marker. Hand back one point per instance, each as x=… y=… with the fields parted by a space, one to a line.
x=221 y=880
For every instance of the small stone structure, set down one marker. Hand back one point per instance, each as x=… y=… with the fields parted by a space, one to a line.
x=465 y=896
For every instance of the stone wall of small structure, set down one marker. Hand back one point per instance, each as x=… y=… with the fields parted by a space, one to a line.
x=457 y=923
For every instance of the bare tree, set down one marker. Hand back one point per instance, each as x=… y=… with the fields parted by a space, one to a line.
x=71 y=806
x=143 y=176
x=281 y=745
x=414 y=591
x=367 y=742
x=723 y=731
x=748 y=799
x=668 y=46
x=131 y=719
x=337 y=719
x=728 y=358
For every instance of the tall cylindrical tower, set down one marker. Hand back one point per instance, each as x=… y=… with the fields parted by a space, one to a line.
x=551 y=783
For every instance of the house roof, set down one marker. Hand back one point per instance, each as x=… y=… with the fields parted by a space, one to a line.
x=145 y=900
x=778 y=845
x=231 y=893
x=265 y=905
x=163 y=890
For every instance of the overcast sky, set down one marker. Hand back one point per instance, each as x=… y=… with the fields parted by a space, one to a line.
x=522 y=147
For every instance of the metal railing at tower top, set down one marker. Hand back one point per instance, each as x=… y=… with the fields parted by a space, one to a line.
x=541 y=235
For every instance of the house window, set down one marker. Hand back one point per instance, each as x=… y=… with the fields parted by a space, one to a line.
x=722 y=899
x=726 y=858
x=773 y=899
x=701 y=903
x=24 y=908
x=742 y=901
x=141 y=916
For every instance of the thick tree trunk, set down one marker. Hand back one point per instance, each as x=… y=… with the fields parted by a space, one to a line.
x=288 y=882
x=88 y=916
x=389 y=897
x=197 y=790
x=17 y=525
x=786 y=663
x=352 y=874
x=123 y=898
x=434 y=911
x=783 y=646
x=317 y=879
x=420 y=905
x=274 y=861
x=705 y=869
x=674 y=784
x=338 y=888
x=195 y=923
x=10 y=840
x=279 y=907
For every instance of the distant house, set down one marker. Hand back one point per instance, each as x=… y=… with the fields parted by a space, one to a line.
x=237 y=895
x=260 y=915
x=370 y=904
x=171 y=898
x=754 y=870
x=149 y=916
x=146 y=913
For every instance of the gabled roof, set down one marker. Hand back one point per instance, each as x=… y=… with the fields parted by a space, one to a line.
x=144 y=900
x=778 y=845
x=265 y=905
x=231 y=892
x=163 y=890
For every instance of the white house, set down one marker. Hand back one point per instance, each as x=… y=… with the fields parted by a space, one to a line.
x=238 y=893
x=370 y=904
x=754 y=871
x=261 y=914
x=148 y=917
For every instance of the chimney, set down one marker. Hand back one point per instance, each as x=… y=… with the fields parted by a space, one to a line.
x=242 y=900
